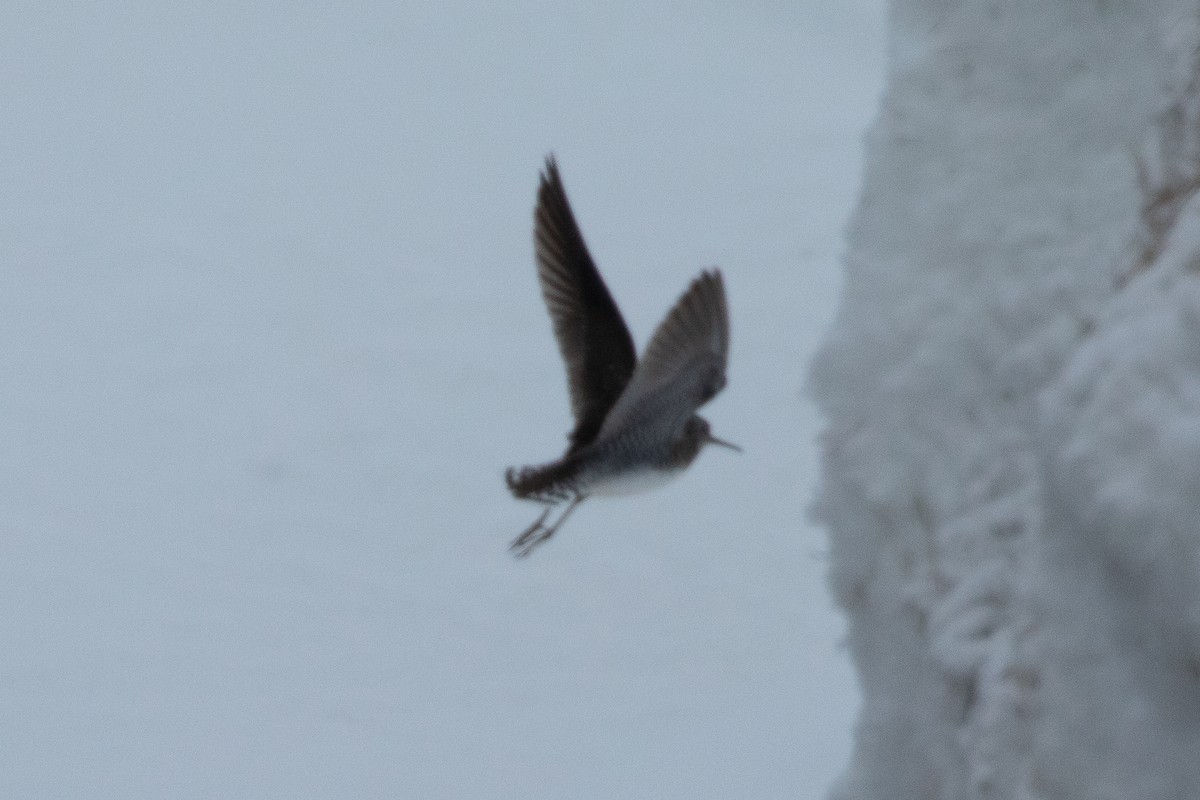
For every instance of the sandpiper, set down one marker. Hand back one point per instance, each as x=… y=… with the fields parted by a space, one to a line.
x=635 y=421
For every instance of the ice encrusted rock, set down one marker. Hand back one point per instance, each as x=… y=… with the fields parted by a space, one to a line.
x=1012 y=390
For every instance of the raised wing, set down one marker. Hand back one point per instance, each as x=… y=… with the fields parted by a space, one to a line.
x=593 y=338
x=684 y=364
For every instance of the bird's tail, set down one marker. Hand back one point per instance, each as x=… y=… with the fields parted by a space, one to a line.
x=545 y=483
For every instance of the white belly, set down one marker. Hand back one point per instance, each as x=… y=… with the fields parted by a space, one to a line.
x=631 y=482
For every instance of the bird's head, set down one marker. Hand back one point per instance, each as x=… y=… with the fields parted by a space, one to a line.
x=697 y=433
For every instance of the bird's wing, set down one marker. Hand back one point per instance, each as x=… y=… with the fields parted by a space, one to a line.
x=684 y=364
x=593 y=338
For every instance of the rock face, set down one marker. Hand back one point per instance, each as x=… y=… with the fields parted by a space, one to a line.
x=1011 y=474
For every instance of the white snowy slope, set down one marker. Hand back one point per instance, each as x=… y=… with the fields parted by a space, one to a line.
x=1012 y=396
x=270 y=332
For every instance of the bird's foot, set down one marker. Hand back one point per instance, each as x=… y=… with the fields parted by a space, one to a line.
x=539 y=531
x=532 y=536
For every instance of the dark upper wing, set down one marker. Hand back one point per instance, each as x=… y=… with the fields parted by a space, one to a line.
x=592 y=336
x=684 y=364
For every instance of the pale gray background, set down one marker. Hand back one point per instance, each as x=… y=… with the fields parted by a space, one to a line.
x=271 y=332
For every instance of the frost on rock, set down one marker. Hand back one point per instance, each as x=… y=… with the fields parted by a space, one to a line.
x=1011 y=474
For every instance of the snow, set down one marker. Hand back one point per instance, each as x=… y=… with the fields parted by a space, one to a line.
x=1011 y=391
x=272 y=333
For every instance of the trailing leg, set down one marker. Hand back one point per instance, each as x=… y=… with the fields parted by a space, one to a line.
x=539 y=531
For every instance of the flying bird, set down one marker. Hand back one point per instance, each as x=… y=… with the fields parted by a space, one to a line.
x=635 y=421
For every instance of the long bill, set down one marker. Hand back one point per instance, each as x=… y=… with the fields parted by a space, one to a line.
x=710 y=439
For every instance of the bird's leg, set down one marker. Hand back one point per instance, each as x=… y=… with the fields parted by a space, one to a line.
x=563 y=518
x=537 y=525
x=539 y=532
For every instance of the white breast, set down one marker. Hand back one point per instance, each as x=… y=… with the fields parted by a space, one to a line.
x=630 y=482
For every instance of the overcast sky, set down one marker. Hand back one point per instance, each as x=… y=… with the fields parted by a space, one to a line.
x=272 y=333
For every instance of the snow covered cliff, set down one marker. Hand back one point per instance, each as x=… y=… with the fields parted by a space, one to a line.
x=1011 y=473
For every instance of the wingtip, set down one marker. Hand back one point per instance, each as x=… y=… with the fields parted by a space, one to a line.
x=710 y=276
x=550 y=170
x=551 y=192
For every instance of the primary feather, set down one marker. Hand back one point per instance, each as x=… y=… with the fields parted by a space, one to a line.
x=592 y=336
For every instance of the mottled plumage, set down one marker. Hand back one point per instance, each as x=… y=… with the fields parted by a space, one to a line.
x=635 y=422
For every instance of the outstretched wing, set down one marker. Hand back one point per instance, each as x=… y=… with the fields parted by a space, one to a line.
x=593 y=338
x=684 y=364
